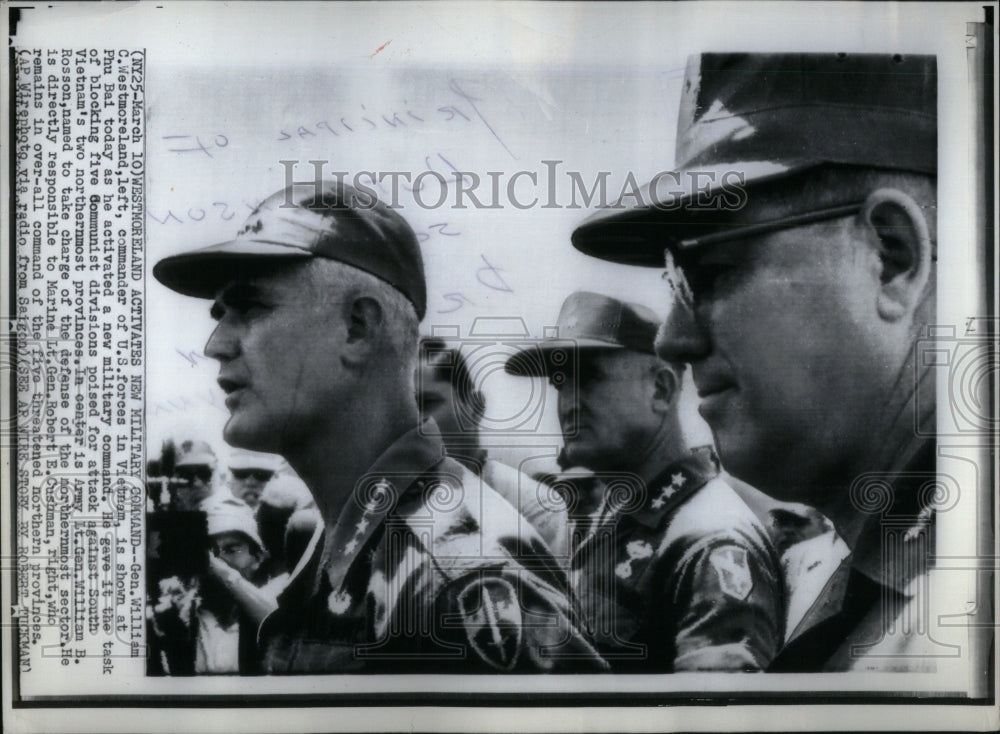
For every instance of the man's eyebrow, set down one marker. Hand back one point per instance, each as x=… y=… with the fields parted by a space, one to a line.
x=234 y=295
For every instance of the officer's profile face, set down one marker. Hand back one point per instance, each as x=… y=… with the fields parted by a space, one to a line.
x=605 y=409
x=277 y=343
x=784 y=347
x=438 y=398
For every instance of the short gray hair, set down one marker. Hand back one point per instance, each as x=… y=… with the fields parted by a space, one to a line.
x=334 y=280
x=836 y=184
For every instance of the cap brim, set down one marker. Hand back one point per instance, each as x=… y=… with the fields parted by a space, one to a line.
x=200 y=273
x=675 y=206
x=197 y=460
x=251 y=464
x=544 y=359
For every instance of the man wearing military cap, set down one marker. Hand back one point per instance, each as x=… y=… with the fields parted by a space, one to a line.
x=421 y=566
x=249 y=473
x=673 y=570
x=447 y=393
x=193 y=473
x=799 y=309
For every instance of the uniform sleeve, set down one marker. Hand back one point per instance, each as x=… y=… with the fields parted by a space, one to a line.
x=511 y=621
x=727 y=599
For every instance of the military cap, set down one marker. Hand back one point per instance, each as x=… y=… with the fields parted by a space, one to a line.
x=589 y=321
x=331 y=220
x=749 y=119
x=195 y=453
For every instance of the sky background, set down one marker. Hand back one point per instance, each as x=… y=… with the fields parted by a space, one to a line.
x=481 y=88
x=216 y=138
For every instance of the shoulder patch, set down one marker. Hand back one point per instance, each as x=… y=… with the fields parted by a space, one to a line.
x=730 y=564
x=491 y=616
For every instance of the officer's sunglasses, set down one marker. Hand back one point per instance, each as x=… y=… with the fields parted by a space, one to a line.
x=685 y=285
x=261 y=475
x=189 y=474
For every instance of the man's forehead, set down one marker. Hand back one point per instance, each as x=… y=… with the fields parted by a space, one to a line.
x=598 y=361
x=287 y=281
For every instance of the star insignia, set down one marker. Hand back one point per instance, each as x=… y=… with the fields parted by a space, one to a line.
x=351 y=545
x=666 y=493
x=362 y=525
x=678 y=479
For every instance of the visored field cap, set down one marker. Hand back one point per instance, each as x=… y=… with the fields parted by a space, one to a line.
x=746 y=119
x=334 y=221
x=590 y=321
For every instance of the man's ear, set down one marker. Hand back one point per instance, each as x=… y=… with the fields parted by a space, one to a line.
x=898 y=232
x=666 y=388
x=365 y=320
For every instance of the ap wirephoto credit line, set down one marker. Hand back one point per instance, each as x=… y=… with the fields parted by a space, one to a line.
x=369 y=380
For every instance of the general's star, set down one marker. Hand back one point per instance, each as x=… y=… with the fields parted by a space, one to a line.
x=362 y=525
x=665 y=494
x=678 y=479
x=351 y=545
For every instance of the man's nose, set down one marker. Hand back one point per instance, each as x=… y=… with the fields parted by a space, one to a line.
x=222 y=344
x=682 y=337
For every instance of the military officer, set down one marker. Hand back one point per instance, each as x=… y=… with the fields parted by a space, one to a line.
x=446 y=392
x=674 y=572
x=421 y=566
x=799 y=233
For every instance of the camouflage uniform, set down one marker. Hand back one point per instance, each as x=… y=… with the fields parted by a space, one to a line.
x=427 y=569
x=682 y=577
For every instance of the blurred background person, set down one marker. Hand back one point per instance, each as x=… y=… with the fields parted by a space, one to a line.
x=249 y=473
x=285 y=496
x=447 y=393
x=194 y=471
x=208 y=624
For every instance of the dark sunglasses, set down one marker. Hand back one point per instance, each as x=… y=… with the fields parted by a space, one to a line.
x=261 y=475
x=186 y=474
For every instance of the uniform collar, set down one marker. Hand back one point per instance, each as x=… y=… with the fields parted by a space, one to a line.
x=675 y=484
x=906 y=527
x=376 y=494
x=909 y=520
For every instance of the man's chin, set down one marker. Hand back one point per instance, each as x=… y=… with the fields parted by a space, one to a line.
x=583 y=456
x=239 y=434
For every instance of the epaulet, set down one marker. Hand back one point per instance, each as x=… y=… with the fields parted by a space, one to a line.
x=668 y=493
